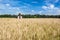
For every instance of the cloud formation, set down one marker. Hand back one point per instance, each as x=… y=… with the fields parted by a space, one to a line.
x=30 y=6
x=51 y=1
x=51 y=10
x=34 y=2
x=6 y=8
x=51 y=6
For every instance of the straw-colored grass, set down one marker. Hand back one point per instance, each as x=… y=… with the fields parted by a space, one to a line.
x=30 y=29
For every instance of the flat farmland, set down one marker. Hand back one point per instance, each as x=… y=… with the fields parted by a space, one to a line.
x=30 y=29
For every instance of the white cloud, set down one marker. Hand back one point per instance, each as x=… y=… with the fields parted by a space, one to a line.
x=51 y=9
x=51 y=6
x=44 y=7
x=7 y=4
x=33 y=11
x=34 y=2
x=39 y=12
x=6 y=8
x=26 y=4
x=49 y=1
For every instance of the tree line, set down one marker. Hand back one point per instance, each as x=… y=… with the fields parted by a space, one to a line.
x=30 y=16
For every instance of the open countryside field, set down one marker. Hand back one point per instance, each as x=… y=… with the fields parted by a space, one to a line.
x=30 y=29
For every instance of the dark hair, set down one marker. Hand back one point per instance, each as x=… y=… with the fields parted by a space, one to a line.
x=19 y=14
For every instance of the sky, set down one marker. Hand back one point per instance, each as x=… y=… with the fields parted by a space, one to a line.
x=44 y=7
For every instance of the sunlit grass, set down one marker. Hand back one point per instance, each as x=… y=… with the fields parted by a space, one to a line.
x=30 y=29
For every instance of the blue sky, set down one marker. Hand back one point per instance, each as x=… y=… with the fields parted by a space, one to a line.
x=47 y=7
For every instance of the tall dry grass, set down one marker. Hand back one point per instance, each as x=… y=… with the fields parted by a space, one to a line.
x=30 y=29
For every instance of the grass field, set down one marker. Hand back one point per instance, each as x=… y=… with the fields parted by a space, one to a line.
x=30 y=29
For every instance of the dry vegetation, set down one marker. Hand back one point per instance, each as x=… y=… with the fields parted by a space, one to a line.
x=29 y=29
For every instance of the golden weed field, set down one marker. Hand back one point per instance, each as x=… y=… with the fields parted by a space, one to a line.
x=30 y=29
